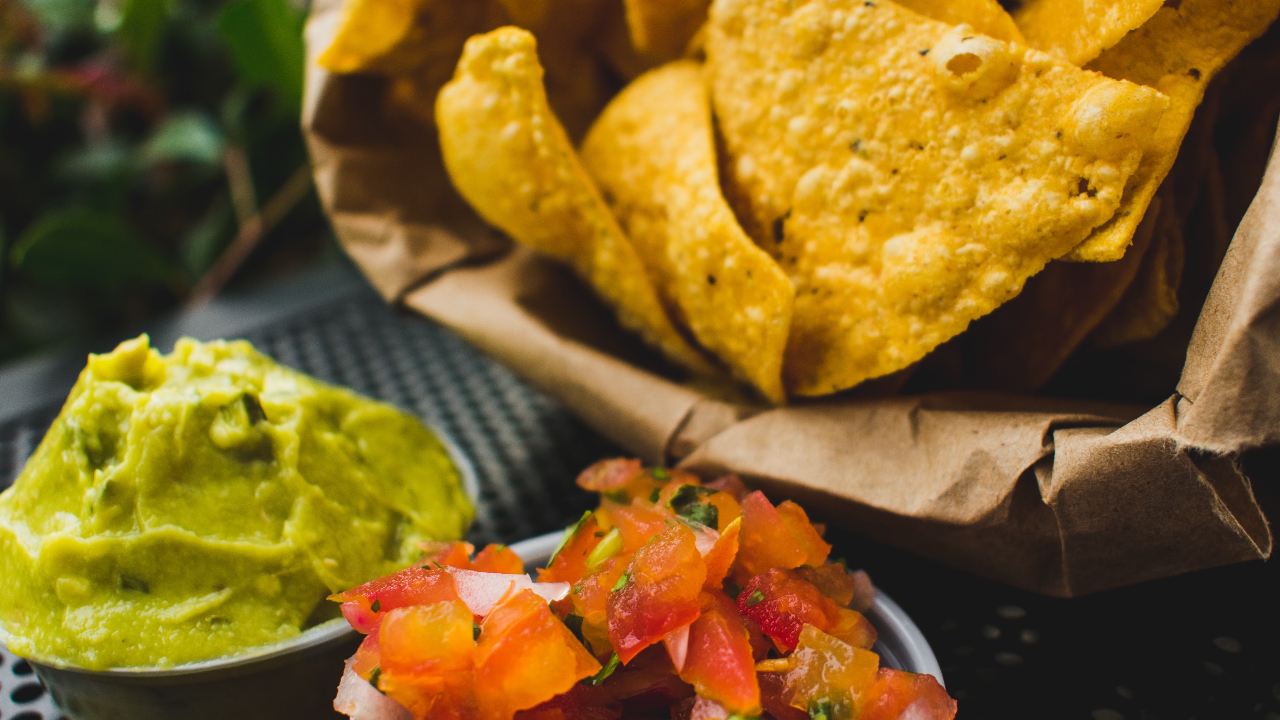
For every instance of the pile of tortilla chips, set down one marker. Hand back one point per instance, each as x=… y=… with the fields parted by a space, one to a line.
x=805 y=195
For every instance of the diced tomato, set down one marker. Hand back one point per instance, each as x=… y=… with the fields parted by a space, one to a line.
x=774 y=695
x=833 y=580
x=659 y=592
x=368 y=656
x=608 y=475
x=720 y=558
x=765 y=541
x=498 y=559
x=760 y=643
x=638 y=524
x=452 y=554
x=854 y=629
x=581 y=702
x=412 y=586
x=719 y=664
x=590 y=597
x=804 y=533
x=831 y=671
x=426 y=655
x=782 y=602
x=648 y=683
x=571 y=562
x=526 y=657
x=731 y=484
x=864 y=593
x=895 y=691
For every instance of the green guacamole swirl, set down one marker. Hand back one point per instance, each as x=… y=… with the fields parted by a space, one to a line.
x=191 y=506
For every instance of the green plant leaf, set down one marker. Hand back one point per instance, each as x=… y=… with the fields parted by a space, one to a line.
x=142 y=25
x=265 y=38
x=188 y=135
x=86 y=248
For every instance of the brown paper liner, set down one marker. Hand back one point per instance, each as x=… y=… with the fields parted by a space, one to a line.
x=1064 y=498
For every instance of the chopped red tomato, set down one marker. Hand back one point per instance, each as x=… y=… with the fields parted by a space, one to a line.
x=833 y=580
x=609 y=475
x=426 y=655
x=720 y=558
x=453 y=554
x=774 y=697
x=582 y=702
x=658 y=592
x=804 y=533
x=719 y=663
x=854 y=629
x=828 y=671
x=526 y=656
x=782 y=602
x=765 y=541
x=365 y=605
x=731 y=484
x=649 y=682
x=895 y=691
x=368 y=656
x=570 y=562
x=498 y=559
x=638 y=524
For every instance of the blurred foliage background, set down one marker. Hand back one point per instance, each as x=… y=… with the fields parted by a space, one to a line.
x=150 y=152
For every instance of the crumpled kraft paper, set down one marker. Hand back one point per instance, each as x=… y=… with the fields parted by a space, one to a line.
x=1064 y=498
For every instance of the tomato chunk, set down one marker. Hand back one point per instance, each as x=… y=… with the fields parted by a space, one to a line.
x=638 y=524
x=364 y=606
x=854 y=629
x=720 y=558
x=765 y=541
x=452 y=554
x=833 y=580
x=719 y=663
x=895 y=691
x=804 y=533
x=581 y=702
x=829 y=672
x=498 y=559
x=774 y=696
x=782 y=602
x=426 y=655
x=526 y=657
x=609 y=475
x=570 y=562
x=659 y=592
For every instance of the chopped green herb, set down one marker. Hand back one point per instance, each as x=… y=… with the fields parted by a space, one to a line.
x=660 y=473
x=569 y=532
x=606 y=671
x=622 y=582
x=577 y=589
x=688 y=504
x=375 y=676
x=733 y=588
x=599 y=533
x=608 y=547
x=755 y=599
x=499 y=547
x=653 y=496
x=842 y=562
x=376 y=606
x=821 y=709
x=618 y=496
x=437 y=564
x=475 y=630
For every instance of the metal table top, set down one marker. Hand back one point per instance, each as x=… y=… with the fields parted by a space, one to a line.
x=1204 y=646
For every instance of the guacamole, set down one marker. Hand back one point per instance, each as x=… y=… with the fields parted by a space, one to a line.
x=195 y=505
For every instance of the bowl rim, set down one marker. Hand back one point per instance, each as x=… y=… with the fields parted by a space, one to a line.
x=313 y=639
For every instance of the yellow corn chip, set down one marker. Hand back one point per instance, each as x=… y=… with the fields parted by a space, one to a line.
x=396 y=36
x=510 y=158
x=909 y=176
x=663 y=28
x=653 y=155
x=1151 y=302
x=1021 y=345
x=1077 y=30
x=985 y=16
x=1177 y=52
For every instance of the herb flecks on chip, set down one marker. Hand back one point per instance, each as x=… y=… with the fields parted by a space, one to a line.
x=510 y=158
x=1178 y=51
x=653 y=154
x=1077 y=30
x=917 y=192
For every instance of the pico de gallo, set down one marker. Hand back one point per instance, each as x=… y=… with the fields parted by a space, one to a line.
x=675 y=598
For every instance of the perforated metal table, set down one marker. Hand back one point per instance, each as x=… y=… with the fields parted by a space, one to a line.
x=1204 y=646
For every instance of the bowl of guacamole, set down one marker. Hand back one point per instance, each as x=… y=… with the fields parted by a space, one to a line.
x=185 y=510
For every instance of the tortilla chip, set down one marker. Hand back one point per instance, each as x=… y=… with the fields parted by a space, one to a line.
x=1178 y=52
x=510 y=158
x=1151 y=302
x=1020 y=346
x=653 y=155
x=1078 y=30
x=985 y=16
x=612 y=43
x=399 y=36
x=910 y=176
x=663 y=28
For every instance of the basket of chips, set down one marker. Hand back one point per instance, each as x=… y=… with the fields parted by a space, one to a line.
x=993 y=284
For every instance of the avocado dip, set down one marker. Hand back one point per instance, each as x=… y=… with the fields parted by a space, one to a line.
x=196 y=505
